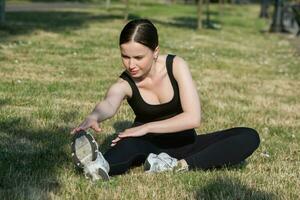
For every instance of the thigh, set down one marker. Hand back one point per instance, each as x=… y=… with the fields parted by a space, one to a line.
x=220 y=148
x=248 y=136
x=129 y=149
x=200 y=142
x=179 y=144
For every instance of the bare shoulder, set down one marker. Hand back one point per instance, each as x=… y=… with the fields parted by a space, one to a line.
x=180 y=67
x=123 y=86
x=162 y=60
x=179 y=61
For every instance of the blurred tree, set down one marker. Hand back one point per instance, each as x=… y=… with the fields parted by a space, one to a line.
x=2 y=11
x=170 y=1
x=126 y=11
x=138 y=3
x=221 y=8
x=199 y=11
x=264 y=5
x=107 y=4
x=277 y=25
x=207 y=2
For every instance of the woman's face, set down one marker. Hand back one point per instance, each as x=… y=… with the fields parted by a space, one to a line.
x=137 y=58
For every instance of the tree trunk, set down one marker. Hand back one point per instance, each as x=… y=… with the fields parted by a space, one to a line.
x=170 y=1
x=264 y=5
x=126 y=11
x=221 y=10
x=107 y=4
x=208 y=23
x=221 y=7
x=2 y=11
x=200 y=4
x=277 y=25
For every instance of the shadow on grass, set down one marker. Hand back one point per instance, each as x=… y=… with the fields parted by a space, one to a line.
x=118 y=126
x=4 y=101
x=29 y=158
x=187 y=23
x=83 y=1
x=25 y=22
x=183 y=22
x=230 y=188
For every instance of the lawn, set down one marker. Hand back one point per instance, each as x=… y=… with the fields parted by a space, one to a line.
x=56 y=65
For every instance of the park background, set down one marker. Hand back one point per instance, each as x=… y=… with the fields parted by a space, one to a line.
x=57 y=61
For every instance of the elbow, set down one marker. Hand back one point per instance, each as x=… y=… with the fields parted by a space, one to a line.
x=191 y=120
x=195 y=121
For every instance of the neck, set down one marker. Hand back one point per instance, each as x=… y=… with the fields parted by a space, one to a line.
x=153 y=70
x=151 y=74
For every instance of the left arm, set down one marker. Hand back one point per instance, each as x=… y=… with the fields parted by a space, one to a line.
x=191 y=115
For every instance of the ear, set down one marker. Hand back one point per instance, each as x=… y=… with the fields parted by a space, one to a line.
x=156 y=52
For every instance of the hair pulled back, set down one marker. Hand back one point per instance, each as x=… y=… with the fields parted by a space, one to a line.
x=141 y=31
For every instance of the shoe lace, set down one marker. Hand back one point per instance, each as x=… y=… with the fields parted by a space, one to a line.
x=166 y=161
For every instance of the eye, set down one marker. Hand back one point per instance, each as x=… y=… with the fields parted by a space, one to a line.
x=123 y=56
x=139 y=57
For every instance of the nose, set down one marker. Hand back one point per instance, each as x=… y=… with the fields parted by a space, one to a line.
x=131 y=64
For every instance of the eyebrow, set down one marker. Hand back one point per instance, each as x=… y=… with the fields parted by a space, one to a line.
x=133 y=56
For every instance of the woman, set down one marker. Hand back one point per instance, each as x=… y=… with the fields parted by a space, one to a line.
x=161 y=92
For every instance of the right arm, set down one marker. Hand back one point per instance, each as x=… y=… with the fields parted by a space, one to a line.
x=106 y=108
x=111 y=103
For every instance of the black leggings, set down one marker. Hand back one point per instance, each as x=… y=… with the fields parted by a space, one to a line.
x=226 y=147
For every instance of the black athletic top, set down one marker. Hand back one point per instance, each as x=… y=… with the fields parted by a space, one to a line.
x=148 y=113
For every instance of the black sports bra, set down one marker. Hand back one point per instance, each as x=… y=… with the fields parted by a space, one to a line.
x=147 y=112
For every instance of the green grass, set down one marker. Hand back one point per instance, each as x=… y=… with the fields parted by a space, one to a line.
x=55 y=66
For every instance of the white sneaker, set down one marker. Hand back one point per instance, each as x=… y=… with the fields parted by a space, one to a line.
x=159 y=163
x=86 y=155
x=97 y=169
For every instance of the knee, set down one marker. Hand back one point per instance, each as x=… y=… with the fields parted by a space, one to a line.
x=250 y=135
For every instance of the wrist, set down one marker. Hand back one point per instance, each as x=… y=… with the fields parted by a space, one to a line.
x=94 y=116
x=147 y=127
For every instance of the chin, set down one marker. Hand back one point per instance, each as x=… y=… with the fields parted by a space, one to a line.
x=137 y=76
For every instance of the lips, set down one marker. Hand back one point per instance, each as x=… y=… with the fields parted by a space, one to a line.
x=134 y=71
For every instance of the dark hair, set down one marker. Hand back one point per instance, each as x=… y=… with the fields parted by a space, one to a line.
x=141 y=31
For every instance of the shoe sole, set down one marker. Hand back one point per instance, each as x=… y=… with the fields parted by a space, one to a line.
x=84 y=149
x=103 y=174
x=147 y=165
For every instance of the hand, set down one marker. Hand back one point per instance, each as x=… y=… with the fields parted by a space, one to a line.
x=131 y=132
x=89 y=122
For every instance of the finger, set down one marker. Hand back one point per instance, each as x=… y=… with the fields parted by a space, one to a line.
x=96 y=128
x=116 y=140
x=72 y=132
x=83 y=127
x=113 y=144
x=75 y=130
